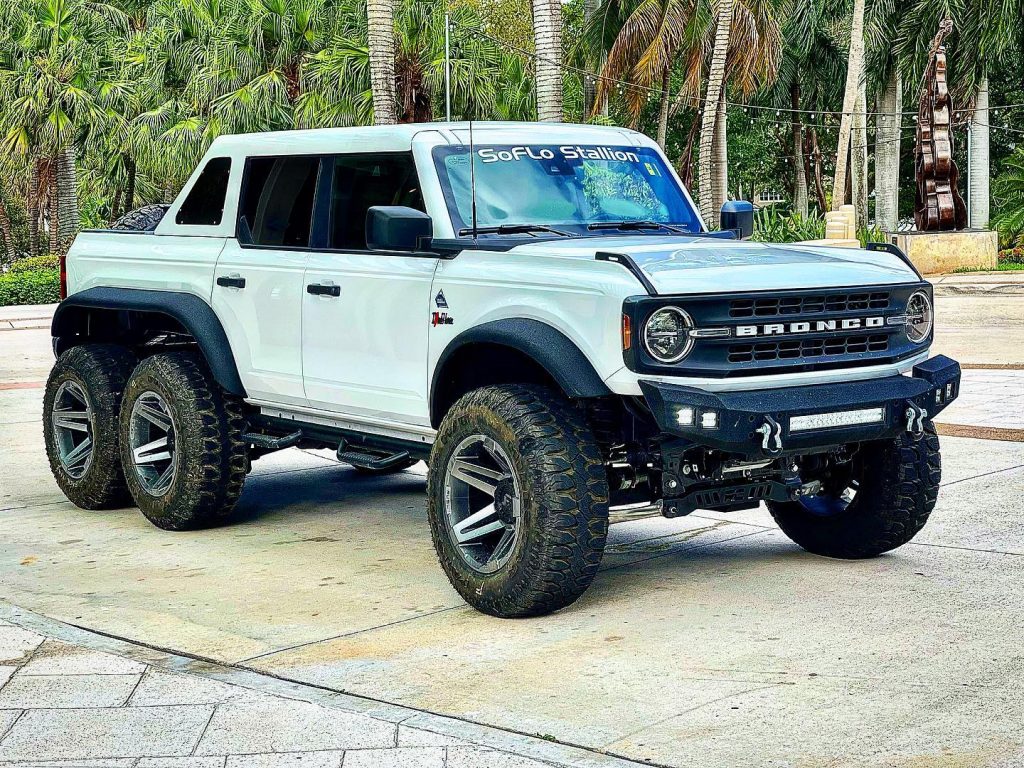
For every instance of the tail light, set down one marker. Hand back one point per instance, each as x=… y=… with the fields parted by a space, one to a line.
x=63 y=276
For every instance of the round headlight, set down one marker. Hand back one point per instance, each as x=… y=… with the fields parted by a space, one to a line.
x=919 y=317
x=667 y=335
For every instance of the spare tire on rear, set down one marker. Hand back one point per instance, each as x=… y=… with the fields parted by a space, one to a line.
x=143 y=219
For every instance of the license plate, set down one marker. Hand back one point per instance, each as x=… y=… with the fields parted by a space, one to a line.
x=836 y=419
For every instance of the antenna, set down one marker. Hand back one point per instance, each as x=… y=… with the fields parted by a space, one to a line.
x=472 y=176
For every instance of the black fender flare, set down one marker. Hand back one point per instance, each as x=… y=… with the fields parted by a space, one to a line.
x=555 y=352
x=194 y=314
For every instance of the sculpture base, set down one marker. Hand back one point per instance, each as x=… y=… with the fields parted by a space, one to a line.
x=936 y=253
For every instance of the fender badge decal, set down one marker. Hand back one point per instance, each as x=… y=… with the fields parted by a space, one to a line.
x=441 y=318
x=440 y=301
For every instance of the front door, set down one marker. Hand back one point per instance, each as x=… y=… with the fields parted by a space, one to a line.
x=366 y=315
x=258 y=287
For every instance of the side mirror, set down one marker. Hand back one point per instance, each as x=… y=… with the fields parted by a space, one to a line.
x=738 y=216
x=397 y=228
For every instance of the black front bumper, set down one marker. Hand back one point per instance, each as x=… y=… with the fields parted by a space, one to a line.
x=758 y=422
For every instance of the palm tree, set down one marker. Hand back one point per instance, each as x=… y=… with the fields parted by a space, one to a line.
x=380 y=33
x=854 y=86
x=62 y=87
x=709 y=201
x=547 y=35
x=1009 y=191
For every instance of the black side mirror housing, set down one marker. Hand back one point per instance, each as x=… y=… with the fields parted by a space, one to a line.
x=397 y=228
x=738 y=216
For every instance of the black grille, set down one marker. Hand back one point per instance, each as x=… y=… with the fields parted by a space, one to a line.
x=809 y=305
x=807 y=348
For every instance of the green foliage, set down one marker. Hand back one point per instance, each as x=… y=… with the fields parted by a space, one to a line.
x=775 y=224
x=1012 y=256
x=39 y=286
x=34 y=263
x=870 y=235
x=1008 y=191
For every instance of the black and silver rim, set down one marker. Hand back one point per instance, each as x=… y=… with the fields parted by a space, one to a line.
x=73 y=429
x=151 y=440
x=483 y=503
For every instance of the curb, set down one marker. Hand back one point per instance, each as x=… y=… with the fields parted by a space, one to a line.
x=520 y=744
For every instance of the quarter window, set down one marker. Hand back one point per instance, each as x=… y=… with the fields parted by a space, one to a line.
x=363 y=181
x=277 y=202
x=204 y=205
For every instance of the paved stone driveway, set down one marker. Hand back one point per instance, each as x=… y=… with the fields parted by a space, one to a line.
x=64 y=704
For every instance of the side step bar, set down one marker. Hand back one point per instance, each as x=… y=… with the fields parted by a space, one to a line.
x=271 y=442
x=367 y=460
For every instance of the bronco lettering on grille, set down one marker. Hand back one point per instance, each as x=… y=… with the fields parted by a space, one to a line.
x=812 y=326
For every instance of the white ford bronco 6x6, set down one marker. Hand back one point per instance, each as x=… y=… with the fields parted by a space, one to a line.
x=536 y=310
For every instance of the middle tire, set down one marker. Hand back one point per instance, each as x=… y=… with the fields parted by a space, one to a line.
x=181 y=448
x=517 y=500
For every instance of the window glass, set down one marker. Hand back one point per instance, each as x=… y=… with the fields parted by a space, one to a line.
x=568 y=187
x=205 y=203
x=363 y=181
x=277 y=202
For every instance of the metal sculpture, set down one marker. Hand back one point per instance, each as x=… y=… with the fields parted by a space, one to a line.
x=938 y=204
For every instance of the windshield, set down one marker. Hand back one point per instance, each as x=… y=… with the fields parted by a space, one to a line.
x=565 y=187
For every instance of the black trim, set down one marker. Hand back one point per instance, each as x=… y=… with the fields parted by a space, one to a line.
x=197 y=317
x=898 y=253
x=627 y=261
x=547 y=346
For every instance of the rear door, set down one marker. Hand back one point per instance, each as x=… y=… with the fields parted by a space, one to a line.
x=258 y=287
x=365 y=315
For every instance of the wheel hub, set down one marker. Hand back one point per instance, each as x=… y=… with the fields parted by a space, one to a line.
x=151 y=438
x=73 y=428
x=482 y=503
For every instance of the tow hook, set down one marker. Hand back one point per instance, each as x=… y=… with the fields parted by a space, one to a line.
x=771 y=435
x=915 y=420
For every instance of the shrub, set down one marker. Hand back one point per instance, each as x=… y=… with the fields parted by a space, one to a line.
x=772 y=225
x=33 y=263
x=39 y=286
x=1012 y=256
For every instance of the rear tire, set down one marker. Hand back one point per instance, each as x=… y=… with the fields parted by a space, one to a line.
x=898 y=483
x=537 y=545
x=181 y=443
x=86 y=384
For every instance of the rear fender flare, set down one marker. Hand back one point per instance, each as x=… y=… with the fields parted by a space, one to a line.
x=71 y=324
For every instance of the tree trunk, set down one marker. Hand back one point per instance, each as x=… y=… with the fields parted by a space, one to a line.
x=819 y=184
x=979 y=170
x=547 y=35
x=33 y=209
x=132 y=171
x=721 y=152
x=381 y=37
x=712 y=104
x=799 y=175
x=6 y=233
x=663 y=113
x=854 y=75
x=887 y=154
x=53 y=206
x=590 y=105
x=859 y=158
x=686 y=161
x=67 y=196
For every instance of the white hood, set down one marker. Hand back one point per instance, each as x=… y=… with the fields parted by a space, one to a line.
x=687 y=265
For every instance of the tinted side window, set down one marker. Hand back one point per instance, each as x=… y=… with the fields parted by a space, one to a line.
x=362 y=181
x=205 y=203
x=277 y=201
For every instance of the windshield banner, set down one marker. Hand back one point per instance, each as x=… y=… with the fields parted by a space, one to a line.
x=567 y=152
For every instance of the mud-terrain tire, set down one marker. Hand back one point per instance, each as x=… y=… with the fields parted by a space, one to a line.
x=898 y=485
x=551 y=481
x=93 y=376
x=201 y=480
x=144 y=219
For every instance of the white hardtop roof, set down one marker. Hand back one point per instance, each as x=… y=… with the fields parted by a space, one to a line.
x=399 y=138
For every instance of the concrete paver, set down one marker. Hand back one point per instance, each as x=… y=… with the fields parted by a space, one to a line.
x=67 y=692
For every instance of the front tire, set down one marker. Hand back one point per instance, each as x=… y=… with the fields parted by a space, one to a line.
x=517 y=500
x=80 y=408
x=181 y=444
x=896 y=483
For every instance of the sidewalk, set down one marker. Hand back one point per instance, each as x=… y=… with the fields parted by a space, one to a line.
x=25 y=316
x=73 y=698
x=979 y=284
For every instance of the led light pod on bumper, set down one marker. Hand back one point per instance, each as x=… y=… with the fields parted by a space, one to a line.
x=801 y=418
